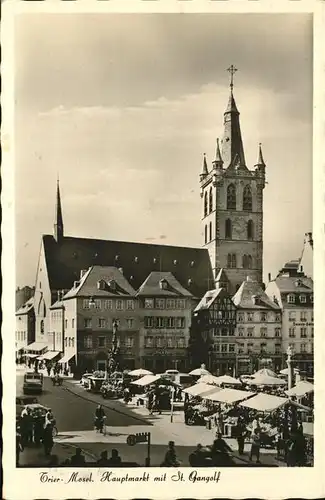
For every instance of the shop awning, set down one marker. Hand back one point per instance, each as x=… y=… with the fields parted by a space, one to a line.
x=200 y=388
x=264 y=402
x=265 y=380
x=66 y=358
x=49 y=355
x=301 y=389
x=146 y=380
x=229 y=396
x=36 y=346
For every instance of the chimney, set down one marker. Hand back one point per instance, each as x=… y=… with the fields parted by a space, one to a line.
x=269 y=277
x=75 y=284
x=58 y=295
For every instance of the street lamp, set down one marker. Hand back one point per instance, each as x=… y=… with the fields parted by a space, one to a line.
x=114 y=352
x=289 y=363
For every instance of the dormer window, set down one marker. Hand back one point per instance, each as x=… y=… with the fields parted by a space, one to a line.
x=117 y=257
x=154 y=260
x=291 y=298
x=101 y=285
x=112 y=284
x=189 y=282
x=163 y=284
x=136 y=259
x=298 y=283
x=302 y=299
x=192 y=263
x=175 y=262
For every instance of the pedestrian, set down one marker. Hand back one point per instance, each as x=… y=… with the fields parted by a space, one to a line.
x=196 y=458
x=256 y=444
x=78 y=459
x=48 y=369
x=103 y=460
x=48 y=442
x=114 y=460
x=170 y=459
x=38 y=428
x=240 y=430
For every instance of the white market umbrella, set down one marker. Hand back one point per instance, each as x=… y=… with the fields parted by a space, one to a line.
x=227 y=379
x=208 y=379
x=265 y=372
x=303 y=387
x=140 y=372
x=265 y=380
x=200 y=372
x=285 y=371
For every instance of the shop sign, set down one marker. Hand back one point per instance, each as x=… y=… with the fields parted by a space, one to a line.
x=303 y=324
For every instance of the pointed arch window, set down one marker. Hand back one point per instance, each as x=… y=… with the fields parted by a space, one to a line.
x=244 y=261
x=233 y=260
x=229 y=260
x=249 y=262
x=228 y=229
x=210 y=200
x=250 y=230
x=205 y=234
x=42 y=326
x=210 y=231
x=231 y=197
x=205 y=204
x=247 y=199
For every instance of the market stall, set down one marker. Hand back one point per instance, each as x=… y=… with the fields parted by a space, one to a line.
x=227 y=380
x=200 y=389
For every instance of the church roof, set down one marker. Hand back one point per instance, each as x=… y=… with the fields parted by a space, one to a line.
x=250 y=295
x=152 y=286
x=232 y=144
x=65 y=260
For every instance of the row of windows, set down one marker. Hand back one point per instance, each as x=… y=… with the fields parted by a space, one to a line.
x=258 y=316
x=291 y=298
x=304 y=315
x=308 y=348
x=168 y=342
x=56 y=315
x=262 y=347
x=303 y=332
x=21 y=336
x=224 y=348
x=263 y=332
x=164 y=303
x=164 y=322
x=102 y=342
x=104 y=323
x=69 y=342
x=109 y=304
x=247 y=200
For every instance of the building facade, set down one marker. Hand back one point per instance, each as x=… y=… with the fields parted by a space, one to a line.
x=23 y=295
x=215 y=319
x=57 y=322
x=293 y=291
x=232 y=212
x=165 y=309
x=25 y=326
x=258 y=330
x=102 y=296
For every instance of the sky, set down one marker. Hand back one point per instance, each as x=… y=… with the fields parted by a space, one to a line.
x=122 y=107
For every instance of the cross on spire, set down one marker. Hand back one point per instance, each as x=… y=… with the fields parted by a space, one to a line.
x=232 y=70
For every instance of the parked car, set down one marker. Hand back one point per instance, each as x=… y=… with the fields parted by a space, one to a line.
x=85 y=379
x=22 y=401
x=33 y=382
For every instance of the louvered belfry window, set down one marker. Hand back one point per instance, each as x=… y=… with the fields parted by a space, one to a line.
x=231 y=197
x=247 y=199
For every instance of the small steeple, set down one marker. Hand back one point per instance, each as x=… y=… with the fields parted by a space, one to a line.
x=218 y=162
x=260 y=160
x=58 y=220
x=205 y=166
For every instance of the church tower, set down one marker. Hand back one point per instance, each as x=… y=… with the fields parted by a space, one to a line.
x=58 y=219
x=232 y=197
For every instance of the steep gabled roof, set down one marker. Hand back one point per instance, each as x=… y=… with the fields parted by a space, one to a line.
x=108 y=275
x=65 y=260
x=287 y=284
x=26 y=308
x=209 y=298
x=151 y=286
x=244 y=297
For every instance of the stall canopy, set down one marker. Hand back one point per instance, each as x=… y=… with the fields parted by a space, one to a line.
x=66 y=358
x=264 y=402
x=227 y=379
x=265 y=380
x=208 y=379
x=48 y=355
x=36 y=346
x=285 y=371
x=199 y=389
x=31 y=355
x=146 y=380
x=140 y=372
x=200 y=372
x=301 y=389
x=265 y=372
x=229 y=395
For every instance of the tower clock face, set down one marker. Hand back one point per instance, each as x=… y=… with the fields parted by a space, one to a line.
x=239 y=228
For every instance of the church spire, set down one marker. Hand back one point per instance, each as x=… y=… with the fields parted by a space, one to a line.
x=232 y=144
x=205 y=166
x=58 y=221
x=218 y=162
x=260 y=160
